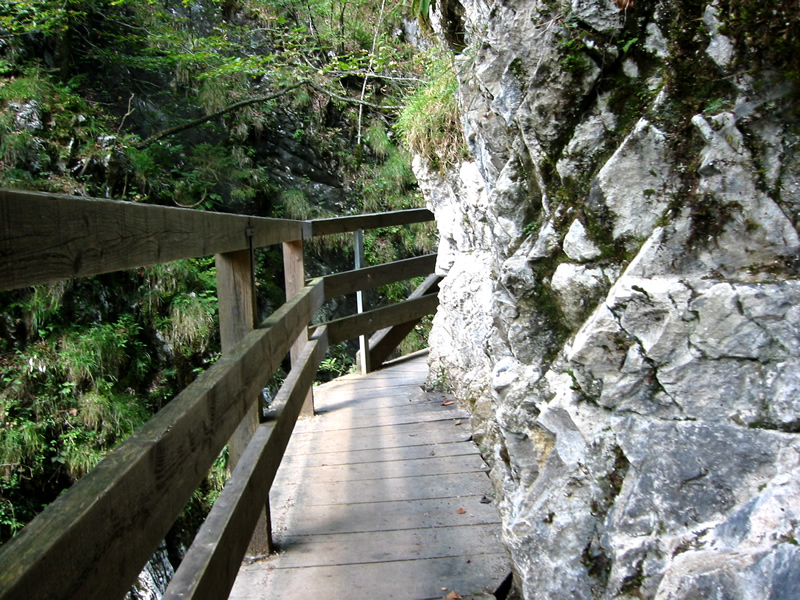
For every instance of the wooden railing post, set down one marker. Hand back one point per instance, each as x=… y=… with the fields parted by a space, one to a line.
x=363 y=340
x=295 y=279
x=237 y=317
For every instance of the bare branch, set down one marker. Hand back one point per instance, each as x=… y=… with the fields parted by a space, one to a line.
x=127 y=114
x=256 y=100
x=356 y=101
x=385 y=76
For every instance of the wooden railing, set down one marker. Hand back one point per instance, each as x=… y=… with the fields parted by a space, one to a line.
x=95 y=539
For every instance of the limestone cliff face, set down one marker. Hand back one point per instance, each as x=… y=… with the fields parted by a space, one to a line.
x=622 y=301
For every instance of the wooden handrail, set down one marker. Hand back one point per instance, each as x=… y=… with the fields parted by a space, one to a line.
x=93 y=541
x=221 y=544
x=384 y=341
x=49 y=237
x=370 y=221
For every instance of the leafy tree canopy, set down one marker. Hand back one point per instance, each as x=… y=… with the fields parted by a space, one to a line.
x=177 y=102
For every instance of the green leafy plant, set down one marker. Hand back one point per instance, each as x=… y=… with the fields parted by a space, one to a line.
x=338 y=362
x=766 y=35
x=429 y=122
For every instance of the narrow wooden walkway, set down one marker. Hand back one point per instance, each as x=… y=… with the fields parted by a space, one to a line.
x=381 y=495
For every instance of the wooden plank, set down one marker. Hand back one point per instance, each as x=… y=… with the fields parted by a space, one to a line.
x=383 y=516
x=382 y=377
x=386 y=405
x=306 y=493
x=384 y=393
x=370 y=221
x=349 y=282
x=395 y=469
x=345 y=422
x=209 y=568
x=423 y=579
x=346 y=456
x=371 y=512
x=93 y=541
x=368 y=322
x=387 y=395
x=384 y=546
x=380 y=386
x=401 y=435
x=412 y=367
x=49 y=237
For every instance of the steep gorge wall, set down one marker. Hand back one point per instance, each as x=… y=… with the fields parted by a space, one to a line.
x=622 y=301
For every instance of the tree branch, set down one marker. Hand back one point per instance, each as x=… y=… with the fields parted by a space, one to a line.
x=334 y=96
x=256 y=100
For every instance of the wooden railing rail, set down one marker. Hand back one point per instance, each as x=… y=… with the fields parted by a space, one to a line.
x=94 y=540
x=384 y=341
x=349 y=282
x=209 y=568
x=371 y=321
x=49 y=237
x=370 y=221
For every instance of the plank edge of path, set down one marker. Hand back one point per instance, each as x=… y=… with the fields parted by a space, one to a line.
x=393 y=547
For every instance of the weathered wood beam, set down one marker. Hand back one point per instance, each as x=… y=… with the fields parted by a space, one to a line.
x=368 y=322
x=94 y=540
x=237 y=317
x=49 y=237
x=384 y=341
x=210 y=567
x=348 y=282
x=362 y=358
x=294 y=279
x=370 y=221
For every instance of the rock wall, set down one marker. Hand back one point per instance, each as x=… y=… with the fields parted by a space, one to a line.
x=622 y=303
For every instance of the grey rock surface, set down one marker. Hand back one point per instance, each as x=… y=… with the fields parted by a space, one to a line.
x=621 y=304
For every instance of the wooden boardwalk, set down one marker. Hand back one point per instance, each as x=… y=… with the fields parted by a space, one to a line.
x=381 y=495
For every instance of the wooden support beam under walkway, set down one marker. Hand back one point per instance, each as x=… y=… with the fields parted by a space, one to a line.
x=381 y=495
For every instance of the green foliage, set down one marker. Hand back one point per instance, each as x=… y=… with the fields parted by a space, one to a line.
x=378 y=247
x=39 y=16
x=191 y=58
x=422 y=238
x=338 y=362
x=531 y=228
x=180 y=298
x=418 y=338
x=626 y=45
x=193 y=321
x=50 y=127
x=574 y=59
x=83 y=363
x=99 y=352
x=89 y=362
x=295 y=204
x=766 y=34
x=429 y=123
x=421 y=10
x=378 y=140
x=389 y=185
